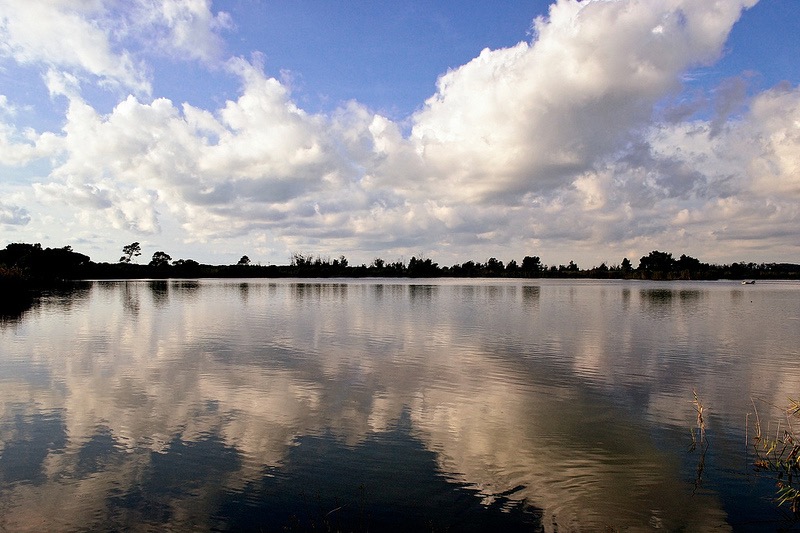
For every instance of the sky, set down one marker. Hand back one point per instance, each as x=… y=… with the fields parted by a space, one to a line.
x=453 y=130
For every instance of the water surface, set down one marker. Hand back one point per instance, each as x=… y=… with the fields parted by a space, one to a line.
x=372 y=405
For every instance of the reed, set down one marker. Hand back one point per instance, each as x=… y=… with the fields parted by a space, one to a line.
x=698 y=433
x=780 y=455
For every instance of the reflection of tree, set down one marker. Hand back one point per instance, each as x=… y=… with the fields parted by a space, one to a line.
x=626 y=297
x=530 y=295
x=421 y=293
x=185 y=288
x=65 y=297
x=316 y=291
x=159 y=289
x=661 y=301
x=14 y=304
x=657 y=302
x=130 y=297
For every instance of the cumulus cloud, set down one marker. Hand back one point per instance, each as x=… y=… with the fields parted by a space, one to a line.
x=691 y=187
x=14 y=151
x=532 y=117
x=69 y=35
x=210 y=169
x=544 y=143
x=92 y=37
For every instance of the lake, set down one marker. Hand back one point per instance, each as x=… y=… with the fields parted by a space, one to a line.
x=395 y=405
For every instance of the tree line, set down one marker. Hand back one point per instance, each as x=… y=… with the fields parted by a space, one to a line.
x=31 y=263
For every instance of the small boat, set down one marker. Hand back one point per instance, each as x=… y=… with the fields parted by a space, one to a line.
x=749 y=282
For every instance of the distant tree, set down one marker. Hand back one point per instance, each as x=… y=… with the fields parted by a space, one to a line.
x=512 y=267
x=657 y=261
x=130 y=251
x=494 y=266
x=531 y=265
x=343 y=261
x=626 y=265
x=689 y=263
x=300 y=260
x=185 y=263
x=160 y=259
x=397 y=268
x=186 y=267
x=19 y=254
x=418 y=268
x=378 y=263
x=244 y=261
x=469 y=267
x=43 y=263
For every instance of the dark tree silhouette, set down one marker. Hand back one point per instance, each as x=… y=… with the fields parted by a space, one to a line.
x=689 y=263
x=657 y=261
x=301 y=261
x=33 y=261
x=572 y=267
x=29 y=265
x=160 y=259
x=494 y=267
x=422 y=268
x=531 y=265
x=130 y=251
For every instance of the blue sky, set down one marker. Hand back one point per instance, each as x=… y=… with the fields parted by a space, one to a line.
x=586 y=131
x=384 y=54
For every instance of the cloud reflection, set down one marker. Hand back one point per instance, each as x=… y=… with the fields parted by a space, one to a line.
x=526 y=391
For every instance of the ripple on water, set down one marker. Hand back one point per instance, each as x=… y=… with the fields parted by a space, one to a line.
x=142 y=406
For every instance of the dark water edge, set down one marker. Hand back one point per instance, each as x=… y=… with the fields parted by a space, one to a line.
x=18 y=297
x=15 y=302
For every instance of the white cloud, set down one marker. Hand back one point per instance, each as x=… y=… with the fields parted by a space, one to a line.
x=533 y=117
x=773 y=127
x=254 y=163
x=20 y=146
x=690 y=188
x=68 y=35
x=6 y=107
x=183 y=28
x=93 y=37
x=525 y=149
x=13 y=215
x=13 y=150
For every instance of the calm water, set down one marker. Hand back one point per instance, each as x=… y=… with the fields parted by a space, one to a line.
x=377 y=405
